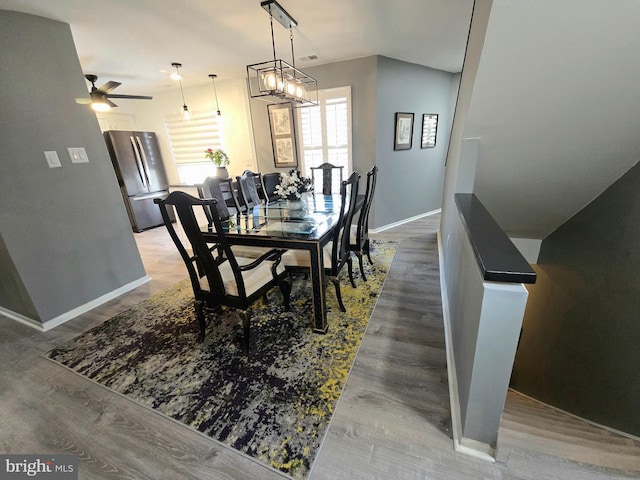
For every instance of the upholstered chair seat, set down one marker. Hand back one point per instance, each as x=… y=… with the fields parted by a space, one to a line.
x=253 y=279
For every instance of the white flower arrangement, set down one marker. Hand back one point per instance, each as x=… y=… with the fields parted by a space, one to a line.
x=292 y=185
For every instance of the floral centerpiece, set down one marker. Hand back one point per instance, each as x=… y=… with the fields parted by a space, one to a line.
x=219 y=157
x=293 y=185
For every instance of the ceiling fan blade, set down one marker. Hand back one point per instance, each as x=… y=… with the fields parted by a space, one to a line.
x=97 y=96
x=137 y=97
x=100 y=97
x=83 y=101
x=107 y=87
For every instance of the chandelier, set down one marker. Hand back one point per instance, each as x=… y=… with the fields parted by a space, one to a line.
x=277 y=78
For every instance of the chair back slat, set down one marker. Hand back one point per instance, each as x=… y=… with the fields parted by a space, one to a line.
x=248 y=189
x=260 y=196
x=340 y=250
x=226 y=187
x=327 y=171
x=237 y=198
x=362 y=233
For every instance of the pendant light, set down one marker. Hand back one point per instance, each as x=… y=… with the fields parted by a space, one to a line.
x=276 y=78
x=185 y=110
x=213 y=77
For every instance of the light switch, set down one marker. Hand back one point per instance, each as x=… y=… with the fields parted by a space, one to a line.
x=78 y=155
x=52 y=159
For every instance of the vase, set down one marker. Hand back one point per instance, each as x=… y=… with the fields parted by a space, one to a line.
x=297 y=208
x=221 y=172
x=298 y=204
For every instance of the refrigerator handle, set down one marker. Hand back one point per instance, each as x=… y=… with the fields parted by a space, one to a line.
x=144 y=161
x=139 y=166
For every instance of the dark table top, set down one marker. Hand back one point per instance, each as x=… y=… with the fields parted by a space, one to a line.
x=278 y=220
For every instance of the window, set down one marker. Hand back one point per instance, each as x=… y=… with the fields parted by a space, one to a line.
x=325 y=132
x=189 y=140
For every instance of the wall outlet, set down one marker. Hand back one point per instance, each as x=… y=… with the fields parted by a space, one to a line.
x=52 y=159
x=78 y=155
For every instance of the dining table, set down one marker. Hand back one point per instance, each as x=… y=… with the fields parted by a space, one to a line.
x=279 y=224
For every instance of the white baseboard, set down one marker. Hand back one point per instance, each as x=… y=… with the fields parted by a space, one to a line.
x=467 y=446
x=29 y=322
x=65 y=317
x=406 y=220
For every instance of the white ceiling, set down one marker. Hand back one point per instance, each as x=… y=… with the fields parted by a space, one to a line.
x=135 y=41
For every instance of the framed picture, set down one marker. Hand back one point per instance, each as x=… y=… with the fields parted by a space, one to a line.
x=283 y=135
x=404 y=131
x=429 y=130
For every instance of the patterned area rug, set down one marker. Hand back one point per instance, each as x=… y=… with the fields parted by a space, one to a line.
x=275 y=405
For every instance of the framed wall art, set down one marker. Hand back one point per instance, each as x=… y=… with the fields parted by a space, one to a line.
x=283 y=135
x=429 y=130
x=403 y=131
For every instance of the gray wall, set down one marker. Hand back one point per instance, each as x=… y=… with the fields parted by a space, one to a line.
x=554 y=108
x=381 y=86
x=66 y=239
x=361 y=75
x=580 y=346
x=406 y=87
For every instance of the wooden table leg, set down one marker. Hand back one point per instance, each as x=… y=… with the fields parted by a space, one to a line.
x=318 y=290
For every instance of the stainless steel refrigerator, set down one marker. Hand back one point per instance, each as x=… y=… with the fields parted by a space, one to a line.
x=141 y=175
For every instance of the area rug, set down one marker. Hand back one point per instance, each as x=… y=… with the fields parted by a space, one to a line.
x=274 y=405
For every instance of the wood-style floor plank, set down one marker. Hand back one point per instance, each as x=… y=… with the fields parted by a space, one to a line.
x=392 y=421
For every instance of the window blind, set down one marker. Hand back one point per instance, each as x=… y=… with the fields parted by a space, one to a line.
x=189 y=139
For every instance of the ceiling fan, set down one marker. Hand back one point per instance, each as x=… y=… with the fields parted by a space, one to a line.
x=100 y=96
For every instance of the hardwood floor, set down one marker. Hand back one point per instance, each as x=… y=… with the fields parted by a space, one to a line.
x=392 y=420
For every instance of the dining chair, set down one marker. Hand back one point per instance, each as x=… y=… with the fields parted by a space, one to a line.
x=359 y=234
x=220 y=189
x=269 y=183
x=257 y=180
x=253 y=185
x=336 y=253
x=246 y=193
x=219 y=277
x=223 y=186
x=326 y=170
